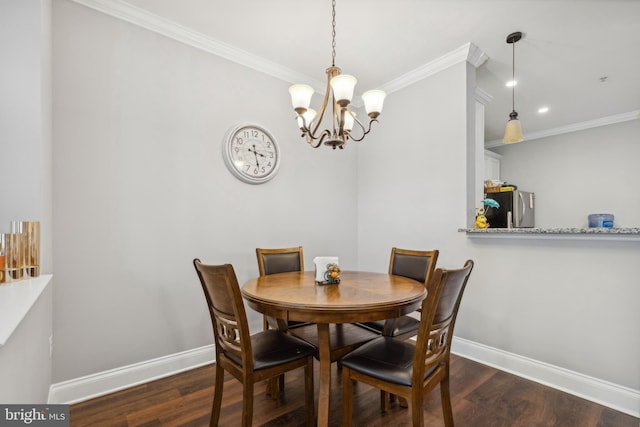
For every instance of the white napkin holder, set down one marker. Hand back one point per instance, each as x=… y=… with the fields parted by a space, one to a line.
x=321 y=266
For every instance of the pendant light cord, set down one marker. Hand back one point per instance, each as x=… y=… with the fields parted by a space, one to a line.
x=513 y=77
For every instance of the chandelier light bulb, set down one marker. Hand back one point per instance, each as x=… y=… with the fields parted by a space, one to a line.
x=308 y=115
x=373 y=102
x=343 y=86
x=348 y=120
x=300 y=97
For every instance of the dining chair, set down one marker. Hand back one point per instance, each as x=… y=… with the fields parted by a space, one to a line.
x=273 y=261
x=412 y=369
x=417 y=265
x=281 y=260
x=249 y=358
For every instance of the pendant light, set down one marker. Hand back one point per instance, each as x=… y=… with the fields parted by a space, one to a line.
x=513 y=131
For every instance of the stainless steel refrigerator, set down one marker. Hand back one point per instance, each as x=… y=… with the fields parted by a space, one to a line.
x=517 y=210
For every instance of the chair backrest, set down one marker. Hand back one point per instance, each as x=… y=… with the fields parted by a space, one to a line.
x=438 y=317
x=272 y=261
x=228 y=315
x=416 y=265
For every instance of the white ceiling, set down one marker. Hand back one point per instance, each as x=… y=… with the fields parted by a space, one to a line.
x=568 y=46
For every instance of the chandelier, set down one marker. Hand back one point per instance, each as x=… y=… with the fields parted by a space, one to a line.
x=340 y=88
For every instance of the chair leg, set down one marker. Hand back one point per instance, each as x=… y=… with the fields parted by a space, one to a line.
x=445 y=396
x=309 y=392
x=417 y=413
x=272 y=389
x=347 y=398
x=247 y=402
x=217 y=396
x=384 y=401
x=281 y=384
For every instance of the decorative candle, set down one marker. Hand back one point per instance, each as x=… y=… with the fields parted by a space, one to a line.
x=32 y=248
x=14 y=256
x=2 y=259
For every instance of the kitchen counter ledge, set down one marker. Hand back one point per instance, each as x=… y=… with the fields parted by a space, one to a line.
x=567 y=233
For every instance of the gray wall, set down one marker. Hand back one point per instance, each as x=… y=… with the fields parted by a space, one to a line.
x=25 y=181
x=579 y=173
x=141 y=189
x=25 y=117
x=567 y=303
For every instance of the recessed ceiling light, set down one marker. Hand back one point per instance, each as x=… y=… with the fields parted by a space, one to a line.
x=511 y=83
x=543 y=110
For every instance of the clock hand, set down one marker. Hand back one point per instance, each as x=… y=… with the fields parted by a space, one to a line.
x=255 y=153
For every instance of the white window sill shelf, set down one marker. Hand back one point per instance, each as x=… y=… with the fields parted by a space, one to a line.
x=16 y=299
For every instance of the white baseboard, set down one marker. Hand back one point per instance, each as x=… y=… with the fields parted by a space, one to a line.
x=101 y=383
x=605 y=393
x=614 y=396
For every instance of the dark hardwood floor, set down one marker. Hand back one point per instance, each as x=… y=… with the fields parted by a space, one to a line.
x=481 y=396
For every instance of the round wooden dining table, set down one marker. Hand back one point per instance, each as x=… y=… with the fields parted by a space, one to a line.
x=360 y=297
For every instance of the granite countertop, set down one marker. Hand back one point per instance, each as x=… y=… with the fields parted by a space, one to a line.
x=561 y=230
x=622 y=233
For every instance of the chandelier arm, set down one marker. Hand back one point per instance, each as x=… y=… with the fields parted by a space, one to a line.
x=314 y=144
x=365 y=132
x=320 y=115
x=313 y=140
x=325 y=133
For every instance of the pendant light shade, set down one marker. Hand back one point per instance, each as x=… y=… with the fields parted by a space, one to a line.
x=513 y=131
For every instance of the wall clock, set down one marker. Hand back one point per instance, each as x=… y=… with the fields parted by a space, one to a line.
x=251 y=153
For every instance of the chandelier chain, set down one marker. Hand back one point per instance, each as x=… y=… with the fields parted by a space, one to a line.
x=333 y=33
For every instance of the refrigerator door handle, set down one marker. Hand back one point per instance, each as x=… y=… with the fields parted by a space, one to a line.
x=521 y=213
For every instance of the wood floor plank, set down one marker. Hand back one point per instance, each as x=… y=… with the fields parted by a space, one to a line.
x=481 y=397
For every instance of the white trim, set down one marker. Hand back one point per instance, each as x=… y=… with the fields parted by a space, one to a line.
x=612 y=395
x=609 y=120
x=605 y=393
x=467 y=52
x=101 y=383
x=482 y=96
x=140 y=17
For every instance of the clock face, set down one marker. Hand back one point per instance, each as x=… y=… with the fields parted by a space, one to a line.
x=251 y=153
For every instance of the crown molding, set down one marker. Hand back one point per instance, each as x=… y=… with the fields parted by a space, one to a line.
x=142 y=18
x=467 y=52
x=483 y=96
x=124 y=11
x=604 y=121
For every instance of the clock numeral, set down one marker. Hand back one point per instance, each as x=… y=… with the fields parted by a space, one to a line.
x=239 y=140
